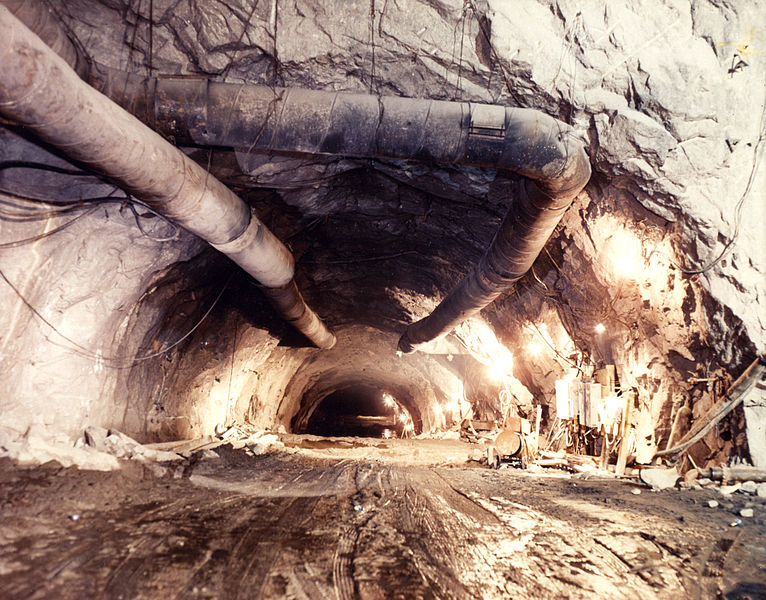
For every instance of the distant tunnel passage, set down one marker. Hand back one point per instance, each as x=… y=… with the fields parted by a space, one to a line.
x=359 y=411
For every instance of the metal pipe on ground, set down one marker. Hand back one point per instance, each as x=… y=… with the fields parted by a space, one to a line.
x=40 y=91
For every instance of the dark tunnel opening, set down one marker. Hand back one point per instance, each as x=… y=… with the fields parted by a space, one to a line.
x=357 y=411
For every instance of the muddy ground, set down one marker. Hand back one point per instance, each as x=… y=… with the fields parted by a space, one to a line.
x=295 y=523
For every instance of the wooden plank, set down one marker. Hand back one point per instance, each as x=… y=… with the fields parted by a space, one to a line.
x=622 y=455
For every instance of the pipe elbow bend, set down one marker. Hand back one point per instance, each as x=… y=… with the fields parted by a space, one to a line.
x=575 y=174
x=547 y=151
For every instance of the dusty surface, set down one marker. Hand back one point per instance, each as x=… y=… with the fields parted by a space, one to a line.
x=298 y=525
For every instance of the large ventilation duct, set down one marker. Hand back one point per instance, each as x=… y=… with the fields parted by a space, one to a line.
x=524 y=141
x=41 y=92
x=38 y=17
x=252 y=117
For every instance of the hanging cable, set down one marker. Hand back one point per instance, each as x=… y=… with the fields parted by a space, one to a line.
x=70 y=206
x=81 y=350
x=738 y=209
x=28 y=215
x=37 y=238
x=176 y=229
x=487 y=38
x=245 y=27
x=28 y=164
x=135 y=361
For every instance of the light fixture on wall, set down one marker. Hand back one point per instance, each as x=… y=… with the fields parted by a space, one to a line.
x=389 y=401
x=501 y=366
x=626 y=252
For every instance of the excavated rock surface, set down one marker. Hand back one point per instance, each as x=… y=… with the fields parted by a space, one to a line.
x=668 y=96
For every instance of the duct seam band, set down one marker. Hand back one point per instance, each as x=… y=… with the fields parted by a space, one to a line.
x=257 y=253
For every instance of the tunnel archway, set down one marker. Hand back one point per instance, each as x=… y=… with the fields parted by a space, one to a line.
x=363 y=405
x=357 y=410
x=377 y=245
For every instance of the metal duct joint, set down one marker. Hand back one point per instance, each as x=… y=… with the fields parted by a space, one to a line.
x=40 y=91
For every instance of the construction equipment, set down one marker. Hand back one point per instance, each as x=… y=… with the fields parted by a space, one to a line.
x=512 y=444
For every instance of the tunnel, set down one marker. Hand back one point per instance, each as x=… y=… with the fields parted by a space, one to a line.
x=274 y=277
x=356 y=411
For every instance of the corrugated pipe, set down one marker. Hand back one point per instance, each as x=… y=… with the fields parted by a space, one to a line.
x=41 y=92
x=260 y=118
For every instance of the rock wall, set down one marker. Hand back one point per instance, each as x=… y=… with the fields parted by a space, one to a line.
x=665 y=249
x=72 y=278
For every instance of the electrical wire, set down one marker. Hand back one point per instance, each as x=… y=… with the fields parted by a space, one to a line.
x=57 y=204
x=135 y=361
x=245 y=27
x=41 y=236
x=38 y=166
x=176 y=229
x=460 y=24
x=87 y=353
x=42 y=318
x=54 y=208
x=79 y=46
x=28 y=215
x=738 y=209
x=553 y=348
x=28 y=164
x=372 y=45
x=359 y=260
x=66 y=207
x=487 y=38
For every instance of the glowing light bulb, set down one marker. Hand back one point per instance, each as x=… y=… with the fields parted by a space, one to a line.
x=627 y=253
x=501 y=367
x=600 y=328
x=496 y=372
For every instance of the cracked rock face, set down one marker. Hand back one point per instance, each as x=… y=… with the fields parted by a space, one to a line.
x=665 y=247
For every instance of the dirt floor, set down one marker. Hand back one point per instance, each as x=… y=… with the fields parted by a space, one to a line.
x=342 y=519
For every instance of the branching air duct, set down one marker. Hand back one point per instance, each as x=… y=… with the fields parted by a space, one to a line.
x=259 y=118
x=41 y=92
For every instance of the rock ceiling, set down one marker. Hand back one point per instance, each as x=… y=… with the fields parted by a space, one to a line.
x=664 y=248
